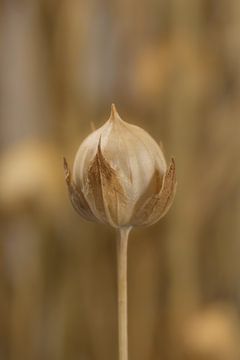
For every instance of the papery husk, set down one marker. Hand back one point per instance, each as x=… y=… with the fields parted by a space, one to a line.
x=156 y=206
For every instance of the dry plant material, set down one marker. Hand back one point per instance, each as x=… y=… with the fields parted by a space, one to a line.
x=120 y=177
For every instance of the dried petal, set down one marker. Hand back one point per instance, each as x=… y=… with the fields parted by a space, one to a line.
x=105 y=189
x=168 y=191
x=157 y=205
x=76 y=196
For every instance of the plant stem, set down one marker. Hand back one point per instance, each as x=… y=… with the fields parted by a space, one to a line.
x=122 y=246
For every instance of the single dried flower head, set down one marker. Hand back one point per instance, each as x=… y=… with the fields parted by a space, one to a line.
x=120 y=176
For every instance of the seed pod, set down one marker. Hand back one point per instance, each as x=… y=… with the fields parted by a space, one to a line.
x=120 y=176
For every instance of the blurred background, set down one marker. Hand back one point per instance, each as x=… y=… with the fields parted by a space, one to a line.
x=172 y=67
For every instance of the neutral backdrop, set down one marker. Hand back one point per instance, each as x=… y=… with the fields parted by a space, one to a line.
x=173 y=68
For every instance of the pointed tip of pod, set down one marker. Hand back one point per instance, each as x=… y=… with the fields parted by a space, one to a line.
x=114 y=113
x=113 y=109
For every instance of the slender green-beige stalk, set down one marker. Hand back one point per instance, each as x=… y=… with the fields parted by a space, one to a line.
x=122 y=247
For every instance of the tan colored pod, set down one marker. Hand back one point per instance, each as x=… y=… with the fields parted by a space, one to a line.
x=120 y=176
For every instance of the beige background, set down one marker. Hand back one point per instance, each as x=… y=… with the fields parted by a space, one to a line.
x=172 y=67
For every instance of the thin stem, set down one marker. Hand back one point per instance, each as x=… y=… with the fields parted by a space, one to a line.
x=122 y=246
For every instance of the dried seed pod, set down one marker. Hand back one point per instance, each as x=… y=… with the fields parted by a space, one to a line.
x=120 y=176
